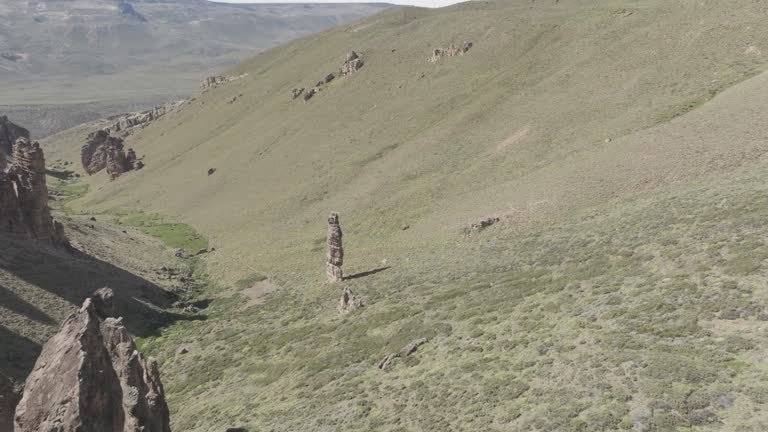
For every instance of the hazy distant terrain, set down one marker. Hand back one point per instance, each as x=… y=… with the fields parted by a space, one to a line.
x=135 y=52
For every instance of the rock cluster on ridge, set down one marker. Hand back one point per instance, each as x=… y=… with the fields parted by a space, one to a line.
x=91 y=378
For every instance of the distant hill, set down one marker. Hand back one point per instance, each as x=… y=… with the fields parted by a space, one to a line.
x=122 y=51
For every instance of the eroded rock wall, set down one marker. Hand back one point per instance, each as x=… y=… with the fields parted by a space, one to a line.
x=24 y=210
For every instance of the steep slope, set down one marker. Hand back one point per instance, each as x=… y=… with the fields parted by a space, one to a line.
x=535 y=120
x=108 y=52
x=621 y=145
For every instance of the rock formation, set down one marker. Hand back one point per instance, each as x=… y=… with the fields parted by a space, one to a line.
x=214 y=81
x=127 y=124
x=335 y=255
x=308 y=94
x=352 y=64
x=295 y=93
x=388 y=360
x=8 y=400
x=451 y=51
x=484 y=223
x=90 y=378
x=348 y=302
x=24 y=208
x=9 y=133
x=103 y=151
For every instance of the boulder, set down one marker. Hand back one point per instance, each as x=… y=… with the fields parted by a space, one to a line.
x=91 y=378
x=349 y=302
x=352 y=64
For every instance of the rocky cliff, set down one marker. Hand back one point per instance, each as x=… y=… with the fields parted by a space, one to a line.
x=90 y=378
x=24 y=208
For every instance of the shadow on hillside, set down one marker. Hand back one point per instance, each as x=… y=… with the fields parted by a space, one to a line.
x=17 y=305
x=73 y=276
x=18 y=354
x=366 y=273
x=60 y=174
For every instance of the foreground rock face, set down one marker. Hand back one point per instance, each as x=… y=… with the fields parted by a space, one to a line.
x=103 y=151
x=452 y=51
x=8 y=400
x=90 y=378
x=24 y=208
x=335 y=255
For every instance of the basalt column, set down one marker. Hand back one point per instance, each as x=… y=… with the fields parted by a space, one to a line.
x=335 y=256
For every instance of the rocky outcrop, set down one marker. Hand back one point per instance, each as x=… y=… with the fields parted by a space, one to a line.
x=352 y=64
x=295 y=93
x=103 y=151
x=24 y=211
x=484 y=223
x=452 y=51
x=127 y=124
x=388 y=360
x=212 y=81
x=90 y=378
x=335 y=255
x=215 y=80
x=8 y=400
x=349 y=302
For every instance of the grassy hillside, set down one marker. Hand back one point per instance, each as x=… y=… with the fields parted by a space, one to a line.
x=621 y=144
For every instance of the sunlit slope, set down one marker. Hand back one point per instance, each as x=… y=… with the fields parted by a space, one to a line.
x=556 y=107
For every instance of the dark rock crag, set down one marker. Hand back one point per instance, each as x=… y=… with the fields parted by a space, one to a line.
x=105 y=152
x=24 y=211
x=90 y=378
x=335 y=255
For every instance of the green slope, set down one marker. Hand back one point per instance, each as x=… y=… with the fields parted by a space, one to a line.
x=622 y=144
